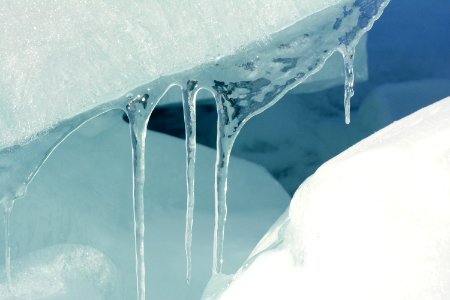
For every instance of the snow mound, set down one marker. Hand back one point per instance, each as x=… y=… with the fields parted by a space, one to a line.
x=63 y=272
x=371 y=223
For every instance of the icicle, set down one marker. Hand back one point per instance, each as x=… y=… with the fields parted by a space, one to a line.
x=189 y=95
x=8 y=205
x=348 y=53
x=225 y=143
x=138 y=117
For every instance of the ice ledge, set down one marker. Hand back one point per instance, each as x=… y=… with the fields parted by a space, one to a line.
x=62 y=60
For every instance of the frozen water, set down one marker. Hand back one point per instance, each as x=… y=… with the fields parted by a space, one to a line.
x=371 y=223
x=88 y=202
x=62 y=58
x=245 y=81
x=402 y=48
x=138 y=129
x=348 y=53
x=190 y=119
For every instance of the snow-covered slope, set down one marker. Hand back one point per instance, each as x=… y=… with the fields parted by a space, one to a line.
x=371 y=223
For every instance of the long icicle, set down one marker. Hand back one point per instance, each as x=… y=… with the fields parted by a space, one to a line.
x=348 y=53
x=224 y=145
x=138 y=118
x=189 y=110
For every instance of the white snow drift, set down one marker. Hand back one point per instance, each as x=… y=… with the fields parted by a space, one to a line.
x=60 y=58
x=372 y=223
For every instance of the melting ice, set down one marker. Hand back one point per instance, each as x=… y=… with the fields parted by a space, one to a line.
x=107 y=54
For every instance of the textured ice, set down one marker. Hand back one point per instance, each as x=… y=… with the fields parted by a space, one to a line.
x=62 y=58
x=371 y=223
x=82 y=196
x=63 y=272
x=74 y=45
x=332 y=74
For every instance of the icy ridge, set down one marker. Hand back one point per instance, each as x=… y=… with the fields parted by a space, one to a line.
x=371 y=223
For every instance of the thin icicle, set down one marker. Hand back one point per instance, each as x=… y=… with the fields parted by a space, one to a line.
x=7 y=209
x=138 y=128
x=224 y=146
x=348 y=53
x=189 y=95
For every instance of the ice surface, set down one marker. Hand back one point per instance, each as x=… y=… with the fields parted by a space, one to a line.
x=245 y=80
x=67 y=272
x=82 y=196
x=62 y=58
x=393 y=101
x=348 y=53
x=371 y=223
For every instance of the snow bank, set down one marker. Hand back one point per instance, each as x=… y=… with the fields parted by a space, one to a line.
x=82 y=195
x=372 y=223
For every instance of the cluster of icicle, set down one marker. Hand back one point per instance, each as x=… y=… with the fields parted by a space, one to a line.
x=243 y=86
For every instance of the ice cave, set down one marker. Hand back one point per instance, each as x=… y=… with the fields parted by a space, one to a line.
x=257 y=149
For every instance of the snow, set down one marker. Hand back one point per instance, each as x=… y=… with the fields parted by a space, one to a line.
x=371 y=223
x=412 y=42
x=64 y=272
x=62 y=58
x=82 y=196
